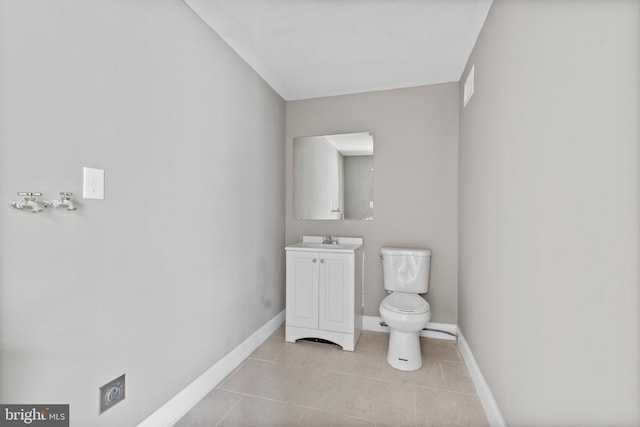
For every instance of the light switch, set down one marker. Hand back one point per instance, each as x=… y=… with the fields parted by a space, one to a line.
x=93 y=183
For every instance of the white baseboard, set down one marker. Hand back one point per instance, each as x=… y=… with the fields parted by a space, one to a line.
x=489 y=404
x=372 y=323
x=169 y=413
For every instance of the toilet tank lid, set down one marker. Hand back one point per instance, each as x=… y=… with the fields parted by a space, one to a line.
x=406 y=251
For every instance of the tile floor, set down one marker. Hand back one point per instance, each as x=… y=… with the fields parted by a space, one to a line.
x=312 y=384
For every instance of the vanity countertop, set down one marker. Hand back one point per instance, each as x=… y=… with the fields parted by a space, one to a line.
x=320 y=247
x=314 y=244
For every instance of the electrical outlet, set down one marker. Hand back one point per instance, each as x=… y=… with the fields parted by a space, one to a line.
x=92 y=183
x=111 y=393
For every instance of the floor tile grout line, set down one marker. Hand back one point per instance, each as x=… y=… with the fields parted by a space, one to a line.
x=414 y=388
x=373 y=420
x=444 y=380
x=368 y=377
x=320 y=368
x=229 y=411
x=230 y=374
x=325 y=411
x=245 y=395
x=445 y=390
x=415 y=410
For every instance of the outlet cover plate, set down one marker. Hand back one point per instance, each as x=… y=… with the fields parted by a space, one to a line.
x=112 y=393
x=92 y=183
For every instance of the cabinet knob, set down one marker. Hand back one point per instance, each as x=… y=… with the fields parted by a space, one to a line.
x=315 y=260
x=322 y=260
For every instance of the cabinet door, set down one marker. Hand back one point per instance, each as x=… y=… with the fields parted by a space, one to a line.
x=302 y=289
x=336 y=292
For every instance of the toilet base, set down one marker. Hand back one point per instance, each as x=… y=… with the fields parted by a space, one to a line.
x=404 y=350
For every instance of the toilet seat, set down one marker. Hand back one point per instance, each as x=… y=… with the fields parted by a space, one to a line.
x=400 y=302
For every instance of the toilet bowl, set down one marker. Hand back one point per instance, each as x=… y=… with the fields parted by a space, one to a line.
x=405 y=275
x=406 y=315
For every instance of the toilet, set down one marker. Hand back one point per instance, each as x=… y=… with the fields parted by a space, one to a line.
x=405 y=275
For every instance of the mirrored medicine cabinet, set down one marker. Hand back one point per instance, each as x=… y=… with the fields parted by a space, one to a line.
x=333 y=176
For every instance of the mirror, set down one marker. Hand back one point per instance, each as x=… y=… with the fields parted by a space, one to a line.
x=333 y=176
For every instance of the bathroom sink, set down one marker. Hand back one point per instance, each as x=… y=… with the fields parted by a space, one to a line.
x=314 y=244
x=322 y=247
x=327 y=245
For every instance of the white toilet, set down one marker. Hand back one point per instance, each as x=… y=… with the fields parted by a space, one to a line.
x=405 y=274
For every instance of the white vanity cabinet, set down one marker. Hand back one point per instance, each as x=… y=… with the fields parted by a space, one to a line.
x=325 y=290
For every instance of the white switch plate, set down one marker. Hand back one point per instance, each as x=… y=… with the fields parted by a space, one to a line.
x=92 y=183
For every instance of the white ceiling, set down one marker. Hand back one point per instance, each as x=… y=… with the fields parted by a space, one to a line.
x=315 y=48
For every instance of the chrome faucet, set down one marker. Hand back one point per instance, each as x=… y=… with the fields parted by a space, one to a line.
x=29 y=202
x=329 y=240
x=64 y=202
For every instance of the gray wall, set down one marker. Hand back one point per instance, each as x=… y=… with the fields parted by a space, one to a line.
x=549 y=209
x=183 y=259
x=415 y=134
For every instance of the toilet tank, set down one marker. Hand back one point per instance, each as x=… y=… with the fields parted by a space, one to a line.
x=406 y=270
